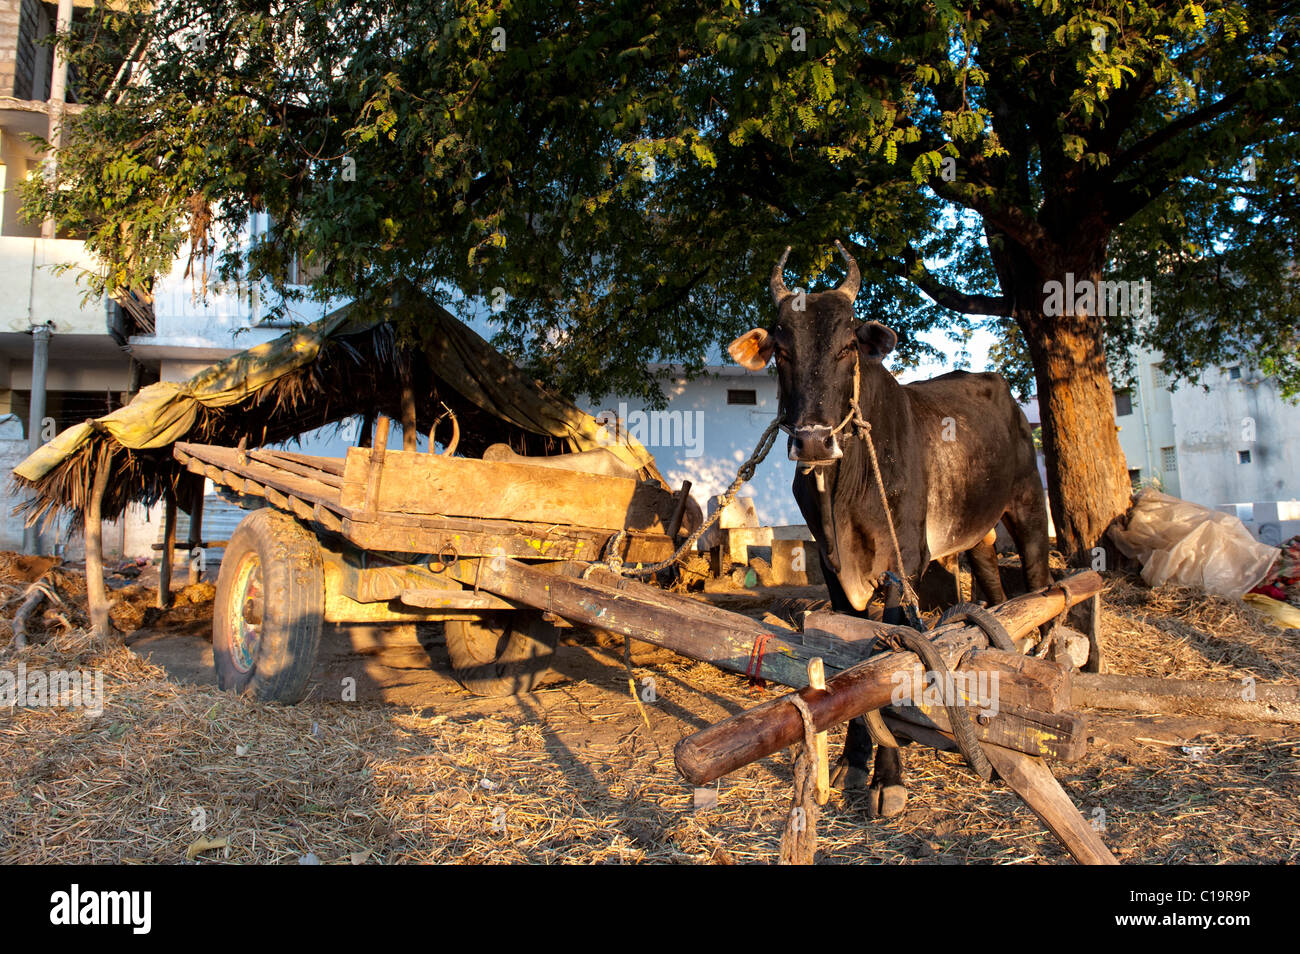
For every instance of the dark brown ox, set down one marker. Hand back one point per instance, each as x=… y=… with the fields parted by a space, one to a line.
x=956 y=456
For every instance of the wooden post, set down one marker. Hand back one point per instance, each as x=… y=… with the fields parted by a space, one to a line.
x=817 y=680
x=168 y=550
x=375 y=464
x=1096 y=661
x=409 y=433
x=679 y=511
x=196 y=531
x=96 y=594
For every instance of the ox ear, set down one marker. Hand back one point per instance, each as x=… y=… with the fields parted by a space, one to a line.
x=752 y=350
x=878 y=339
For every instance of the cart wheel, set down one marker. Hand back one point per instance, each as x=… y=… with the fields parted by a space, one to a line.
x=501 y=654
x=270 y=607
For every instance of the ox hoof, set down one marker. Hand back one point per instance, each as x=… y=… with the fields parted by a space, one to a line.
x=886 y=801
x=850 y=778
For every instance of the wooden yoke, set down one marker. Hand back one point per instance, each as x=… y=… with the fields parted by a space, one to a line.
x=756 y=733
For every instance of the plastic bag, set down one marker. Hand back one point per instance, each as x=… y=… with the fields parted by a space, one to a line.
x=1193 y=545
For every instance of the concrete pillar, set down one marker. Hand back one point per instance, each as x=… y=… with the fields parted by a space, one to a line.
x=40 y=363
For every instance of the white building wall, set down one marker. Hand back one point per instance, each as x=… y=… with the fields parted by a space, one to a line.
x=1146 y=435
x=1214 y=428
x=701 y=438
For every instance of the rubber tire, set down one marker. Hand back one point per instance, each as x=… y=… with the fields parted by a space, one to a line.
x=504 y=654
x=293 y=597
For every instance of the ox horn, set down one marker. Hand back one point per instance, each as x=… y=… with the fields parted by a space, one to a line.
x=853 y=281
x=779 y=292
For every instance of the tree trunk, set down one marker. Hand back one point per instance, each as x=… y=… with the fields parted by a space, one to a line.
x=96 y=592
x=1087 y=476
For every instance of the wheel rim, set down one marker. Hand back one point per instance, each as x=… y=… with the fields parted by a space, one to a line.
x=246 y=614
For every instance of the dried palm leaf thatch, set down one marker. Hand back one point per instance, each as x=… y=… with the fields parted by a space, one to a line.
x=341 y=367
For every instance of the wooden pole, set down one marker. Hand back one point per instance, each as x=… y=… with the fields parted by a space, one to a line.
x=168 y=550
x=96 y=593
x=409 y=433
x=375 y=463
x=196 y=531
x=1033 y=781
x=1248 y=702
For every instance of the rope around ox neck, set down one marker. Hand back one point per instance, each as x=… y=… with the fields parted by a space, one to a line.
x=862 y=428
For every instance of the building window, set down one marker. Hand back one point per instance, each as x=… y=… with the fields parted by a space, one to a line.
x=1123 y=402
x=1135 y=477
x=1234 y=373
x=741 y=396
x=1158 y=376
x=1168 y=459
x=1243 y=457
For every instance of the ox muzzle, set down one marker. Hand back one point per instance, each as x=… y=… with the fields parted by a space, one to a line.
x=814 y=444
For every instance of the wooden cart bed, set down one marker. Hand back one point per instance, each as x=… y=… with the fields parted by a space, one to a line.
x=409 y=502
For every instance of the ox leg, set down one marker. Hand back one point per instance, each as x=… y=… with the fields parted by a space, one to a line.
x=984 y=567
x=853 y=770
x=1026 y=519
x=887 y=796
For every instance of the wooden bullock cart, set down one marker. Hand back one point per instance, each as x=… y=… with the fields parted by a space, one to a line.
x=506 y=552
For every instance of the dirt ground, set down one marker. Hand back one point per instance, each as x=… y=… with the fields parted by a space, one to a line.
x=418 y=770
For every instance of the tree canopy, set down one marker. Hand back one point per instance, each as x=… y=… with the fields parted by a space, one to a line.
x=616 y=179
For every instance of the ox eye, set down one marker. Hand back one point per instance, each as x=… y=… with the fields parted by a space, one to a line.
x=847 y=350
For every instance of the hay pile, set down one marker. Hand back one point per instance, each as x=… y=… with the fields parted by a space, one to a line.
x=1182 y=632
x=571 y=775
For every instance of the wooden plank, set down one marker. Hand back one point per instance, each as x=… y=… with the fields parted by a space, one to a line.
x=256 y=474
x=758 y=732
x=456 y=599
x=341 y=609
x=462 y=486
x=1061 y=736
x=822 y=788
x=301 y=509
x=283 y=462
x=327 y=518
x=330 y=465
x=1032 y=780
x=1028 y=681
x=389 y=535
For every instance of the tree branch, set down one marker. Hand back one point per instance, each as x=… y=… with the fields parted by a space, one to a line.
x=914 y=270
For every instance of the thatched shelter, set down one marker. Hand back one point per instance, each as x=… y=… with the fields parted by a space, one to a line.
x=438 y=373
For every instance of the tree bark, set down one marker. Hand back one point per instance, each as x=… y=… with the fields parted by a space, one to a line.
x=1087 y=477
x=96 y=592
